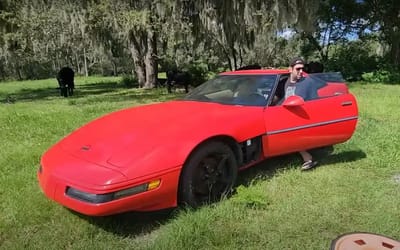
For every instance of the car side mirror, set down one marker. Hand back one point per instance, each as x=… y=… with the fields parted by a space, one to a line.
x=293 y=101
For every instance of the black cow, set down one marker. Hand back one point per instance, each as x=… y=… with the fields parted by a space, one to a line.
x=161 y=82
x=175 y=77
x=65 y=78
x=314 y=67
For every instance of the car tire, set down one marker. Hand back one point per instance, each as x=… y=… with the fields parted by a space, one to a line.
x=208 y=175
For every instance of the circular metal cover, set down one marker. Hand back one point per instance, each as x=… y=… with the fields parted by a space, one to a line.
x=364 y=241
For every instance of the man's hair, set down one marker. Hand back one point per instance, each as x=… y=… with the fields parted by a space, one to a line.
x=296 y=60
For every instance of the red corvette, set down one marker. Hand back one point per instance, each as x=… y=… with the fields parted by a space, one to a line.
x=189 y=151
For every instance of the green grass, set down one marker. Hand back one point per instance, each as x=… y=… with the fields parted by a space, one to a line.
x=356 y=187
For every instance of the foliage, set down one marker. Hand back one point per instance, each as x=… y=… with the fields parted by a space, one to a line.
x=105 y=37
x=335 y=21
x=231 y=27
x=339 y=23
x=94 y=37
x=384 y=76
x=383 y=16
x=352 y=60
x=199 y=72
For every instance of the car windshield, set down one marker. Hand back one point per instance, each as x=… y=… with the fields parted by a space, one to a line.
x=248 y=90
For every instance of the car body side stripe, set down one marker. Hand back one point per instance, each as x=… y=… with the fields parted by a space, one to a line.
x=311 y=125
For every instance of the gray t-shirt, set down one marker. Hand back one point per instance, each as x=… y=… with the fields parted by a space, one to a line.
x=304 y=88
x=290 y=89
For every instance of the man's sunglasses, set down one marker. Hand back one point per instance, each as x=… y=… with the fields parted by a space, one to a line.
x=300 y=68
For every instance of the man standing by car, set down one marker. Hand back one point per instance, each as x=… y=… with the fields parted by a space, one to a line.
x=300 y=86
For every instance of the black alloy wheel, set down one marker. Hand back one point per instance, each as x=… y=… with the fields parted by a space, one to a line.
x=208 y=175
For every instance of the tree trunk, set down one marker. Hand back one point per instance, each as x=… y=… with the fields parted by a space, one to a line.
x=151 y=60
x=240 y=56
x=230 y=61
x=18 y=70
x=85 y=63
x=138 y=63
x=78 y=68
x=395 y=49
x=233 y=51
x=115 y=67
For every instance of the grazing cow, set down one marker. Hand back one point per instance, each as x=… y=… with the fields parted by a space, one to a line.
x=161 y=82
x=65 y=78
x=175 y=77
x=314 y=67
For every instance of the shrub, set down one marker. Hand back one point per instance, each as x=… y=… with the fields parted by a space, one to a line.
x=352 y=60
x=129 y=81
x=384 y=76
x=199 y=73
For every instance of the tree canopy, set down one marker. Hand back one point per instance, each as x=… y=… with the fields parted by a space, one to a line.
x=142 y=37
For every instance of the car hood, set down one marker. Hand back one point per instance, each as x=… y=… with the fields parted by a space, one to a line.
x=118 y=138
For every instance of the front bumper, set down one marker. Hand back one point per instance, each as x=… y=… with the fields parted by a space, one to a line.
x=79 y=192
x=164 y=196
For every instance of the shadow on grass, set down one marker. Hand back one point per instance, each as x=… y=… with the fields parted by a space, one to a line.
x=97 y=89
x=347 y=156
x=92 y=92
x=132 y=223
x=30 y=94
x=270 y=167
x=143 y=96
x=26 y=95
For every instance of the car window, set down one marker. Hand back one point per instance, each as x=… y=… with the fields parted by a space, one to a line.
x=248 y=90
x=280 y=89
x=329 y=76
x=307 y=88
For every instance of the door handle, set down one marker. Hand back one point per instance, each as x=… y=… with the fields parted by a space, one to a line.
x=347 y=103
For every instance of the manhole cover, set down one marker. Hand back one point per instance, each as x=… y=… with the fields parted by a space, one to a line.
x=364 y=241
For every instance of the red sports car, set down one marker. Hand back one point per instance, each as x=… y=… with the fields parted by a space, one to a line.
x=189 y=151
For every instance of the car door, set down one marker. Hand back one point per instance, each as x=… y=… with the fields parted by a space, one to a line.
x=315 y=123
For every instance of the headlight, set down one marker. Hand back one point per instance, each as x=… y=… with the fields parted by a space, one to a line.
x=102 y=198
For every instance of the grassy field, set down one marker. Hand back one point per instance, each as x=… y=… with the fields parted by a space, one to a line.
x=356 y=187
